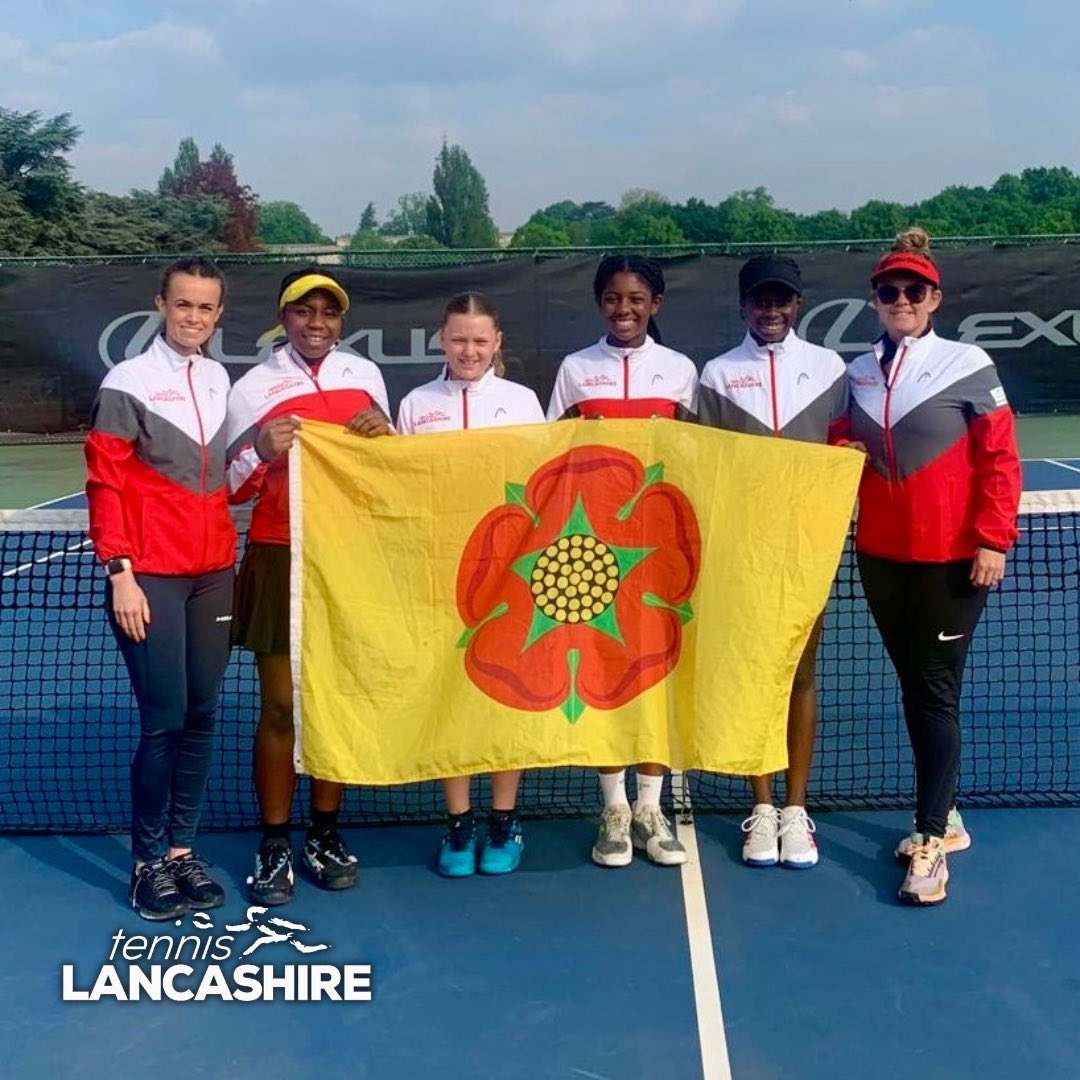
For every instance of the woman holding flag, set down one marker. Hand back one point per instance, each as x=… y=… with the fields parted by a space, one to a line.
x=777 y=385
x=309 y=377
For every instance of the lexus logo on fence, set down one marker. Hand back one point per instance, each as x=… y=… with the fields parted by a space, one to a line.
x=987 y=329
x=130 y=334
x=829 y=322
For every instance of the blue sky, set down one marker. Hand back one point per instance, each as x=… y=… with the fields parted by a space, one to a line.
x=828 y=103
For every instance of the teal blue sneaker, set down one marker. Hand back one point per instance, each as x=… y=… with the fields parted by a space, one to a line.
x=457 y=855
x=502 y=846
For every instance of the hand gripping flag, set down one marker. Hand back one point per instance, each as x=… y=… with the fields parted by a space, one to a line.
x=581 y=593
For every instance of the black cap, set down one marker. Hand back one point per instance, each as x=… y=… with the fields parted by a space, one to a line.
x=769 y=270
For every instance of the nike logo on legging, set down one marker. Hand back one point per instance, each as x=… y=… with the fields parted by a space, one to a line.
x=942 y=636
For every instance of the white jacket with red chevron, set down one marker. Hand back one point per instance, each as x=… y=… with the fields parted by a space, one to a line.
x=944 y=474
x=447 y=404
x=155 y=460
x=603 y=380
x=284 y=384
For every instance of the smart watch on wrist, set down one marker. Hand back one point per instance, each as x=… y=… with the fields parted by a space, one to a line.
x=117 y=565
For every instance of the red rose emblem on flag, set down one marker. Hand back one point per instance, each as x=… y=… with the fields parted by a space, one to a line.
x=574 y=592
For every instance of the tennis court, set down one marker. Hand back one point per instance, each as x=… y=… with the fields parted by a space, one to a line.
x=563 y=969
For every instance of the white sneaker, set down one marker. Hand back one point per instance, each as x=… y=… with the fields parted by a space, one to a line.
x=652 y=834
x=762 y=828
x=957 y=838
x=798 y=848
x=612 y=847
x=927 y=874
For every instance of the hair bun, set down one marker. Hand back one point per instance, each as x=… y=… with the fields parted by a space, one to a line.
x=914 y=239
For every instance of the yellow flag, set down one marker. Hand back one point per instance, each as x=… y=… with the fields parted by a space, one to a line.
x=596 y=592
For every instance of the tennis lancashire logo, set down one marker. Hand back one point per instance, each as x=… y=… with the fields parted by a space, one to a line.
x=192 y=967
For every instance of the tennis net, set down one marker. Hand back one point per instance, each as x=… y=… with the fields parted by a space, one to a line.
x=69 y=724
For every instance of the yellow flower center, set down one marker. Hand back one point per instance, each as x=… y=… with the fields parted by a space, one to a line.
x=575 y=579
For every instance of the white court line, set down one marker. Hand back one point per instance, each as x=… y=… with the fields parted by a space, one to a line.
x=715 y=1064
x=61 y=498
x=56 y=554
x=47 y=558
x=1059 y=464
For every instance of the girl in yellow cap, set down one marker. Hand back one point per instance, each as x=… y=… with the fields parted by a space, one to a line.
x=308 y=377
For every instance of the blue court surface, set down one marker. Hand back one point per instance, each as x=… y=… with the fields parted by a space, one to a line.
x=567 y=970
x=1051 y=474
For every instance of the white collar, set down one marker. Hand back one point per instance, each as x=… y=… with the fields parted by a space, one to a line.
x=470 y=386
x=618 y=352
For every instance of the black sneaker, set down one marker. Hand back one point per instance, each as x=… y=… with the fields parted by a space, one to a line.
x=154 y=894
x=195 y=884
x=271 y=883
x=329 y=860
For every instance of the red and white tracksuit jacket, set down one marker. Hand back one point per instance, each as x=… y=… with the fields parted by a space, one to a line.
x=155 y=462
x=790 y=389
x=602 y=380
x=944 y=474
x=448 y=404
x=284 y=384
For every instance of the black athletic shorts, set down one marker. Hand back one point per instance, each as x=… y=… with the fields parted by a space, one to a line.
x=261 y=609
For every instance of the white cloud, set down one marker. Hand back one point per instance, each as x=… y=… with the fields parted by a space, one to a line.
x=824 y=104
x=192 y=43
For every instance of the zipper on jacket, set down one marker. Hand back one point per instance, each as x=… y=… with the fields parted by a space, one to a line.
x=626 y=377
x=890 y=450
x=464 y=408
x=205 y=457
x=772 y=393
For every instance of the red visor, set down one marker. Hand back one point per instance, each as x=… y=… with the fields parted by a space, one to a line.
x=906 y=261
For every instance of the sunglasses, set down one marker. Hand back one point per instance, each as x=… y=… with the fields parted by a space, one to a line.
x=889 y=294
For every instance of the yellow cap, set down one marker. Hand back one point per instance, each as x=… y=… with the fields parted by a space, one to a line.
x=309 y=283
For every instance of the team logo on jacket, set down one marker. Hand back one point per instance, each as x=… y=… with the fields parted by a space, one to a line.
x=167 y=395
x=282 y=386
x=743 y=382
x=598 y=380
x=803 y=377
x=500 y=411
x=866 y=380
x=436 y=416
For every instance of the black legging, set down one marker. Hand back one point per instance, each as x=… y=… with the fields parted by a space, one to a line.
x=176 y=675
x=926 y=614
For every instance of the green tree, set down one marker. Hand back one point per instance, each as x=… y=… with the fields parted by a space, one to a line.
x=410 y=217
x=187 y=161
x=286 y=223
x=367 y=240
x=419 y=242
x=457 y=213
x=145 y=221
x=35 y=171
x=878 y=220
x=644 y=217
x=368 y=220
x=18 y=228
x=699 y=222
x=535 y=234
x=217 y=178
x=824 y=225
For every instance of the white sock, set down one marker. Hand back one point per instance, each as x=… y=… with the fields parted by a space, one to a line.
x=613 y=788
x=649 y=789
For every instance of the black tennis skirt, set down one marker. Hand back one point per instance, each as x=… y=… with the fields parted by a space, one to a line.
x=261 y=606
